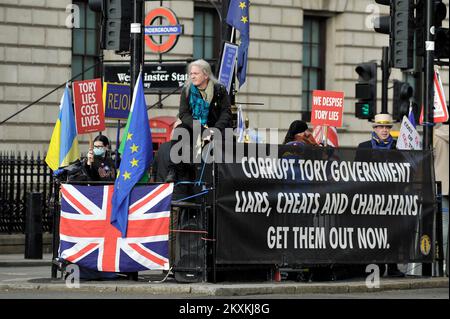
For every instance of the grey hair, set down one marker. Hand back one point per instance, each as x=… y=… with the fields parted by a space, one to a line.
x=206 y=69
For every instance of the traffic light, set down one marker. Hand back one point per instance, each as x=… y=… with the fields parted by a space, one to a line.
x=366 y=90
x=117 y=15
x=400 y=27
x=441 y=35
x=403 y=92
x=442 y=43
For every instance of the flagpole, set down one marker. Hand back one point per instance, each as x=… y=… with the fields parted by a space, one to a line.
x=91 y=146
x=325 y=135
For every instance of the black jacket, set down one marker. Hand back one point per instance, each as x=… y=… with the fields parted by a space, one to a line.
x=368 y=144
x=219 y=115
x=102 y=169
x=375 y=156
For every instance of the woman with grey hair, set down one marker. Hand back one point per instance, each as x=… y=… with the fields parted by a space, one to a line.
x=203 y=99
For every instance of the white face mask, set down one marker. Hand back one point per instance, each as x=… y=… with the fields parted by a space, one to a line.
x=99 y=151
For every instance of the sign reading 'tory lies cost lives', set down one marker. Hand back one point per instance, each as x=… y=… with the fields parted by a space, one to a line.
x=327 y=108
x=88 y=106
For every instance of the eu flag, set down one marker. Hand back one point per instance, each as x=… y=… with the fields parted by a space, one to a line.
x=238 y=17
x=136 y=158
x=411 y=117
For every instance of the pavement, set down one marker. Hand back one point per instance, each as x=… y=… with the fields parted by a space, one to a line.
x=17 y=273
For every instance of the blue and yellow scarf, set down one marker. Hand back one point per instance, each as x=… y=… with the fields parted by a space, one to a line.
x=200 y=107
x=379 y=144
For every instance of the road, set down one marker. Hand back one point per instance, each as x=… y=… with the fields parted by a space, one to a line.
x=430 y=293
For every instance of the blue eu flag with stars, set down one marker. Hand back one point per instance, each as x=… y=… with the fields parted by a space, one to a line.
x=136 y=158
x=238 y=17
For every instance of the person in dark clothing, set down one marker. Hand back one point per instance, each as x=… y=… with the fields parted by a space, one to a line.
x=381 y=135
x=383 y=140
x=205 y=100
x=160 y=163
x=99 y=165
x=299 y=134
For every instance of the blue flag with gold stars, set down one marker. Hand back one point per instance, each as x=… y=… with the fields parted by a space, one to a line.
x=136 y=158
x=239 y=18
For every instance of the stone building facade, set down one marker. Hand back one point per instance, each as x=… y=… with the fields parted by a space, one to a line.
x=36 y=55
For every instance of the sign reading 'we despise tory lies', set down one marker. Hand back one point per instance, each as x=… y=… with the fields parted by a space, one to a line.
x=327 y=108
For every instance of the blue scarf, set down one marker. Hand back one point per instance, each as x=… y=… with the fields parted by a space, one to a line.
x=379 y=144
x=200 y=107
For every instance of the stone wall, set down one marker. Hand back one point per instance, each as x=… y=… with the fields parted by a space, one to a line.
x=35 y=57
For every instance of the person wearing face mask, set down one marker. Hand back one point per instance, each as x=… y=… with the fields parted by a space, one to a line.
x=99 y=164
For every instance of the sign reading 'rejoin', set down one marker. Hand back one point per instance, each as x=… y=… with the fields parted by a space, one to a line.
x=88 y=106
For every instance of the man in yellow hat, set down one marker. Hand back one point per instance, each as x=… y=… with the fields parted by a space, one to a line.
x=383 y=140
x=381 y=135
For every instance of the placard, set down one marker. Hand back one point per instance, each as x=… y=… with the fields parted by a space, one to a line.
x=227 y=63
x=88 y=106
x=327 y=108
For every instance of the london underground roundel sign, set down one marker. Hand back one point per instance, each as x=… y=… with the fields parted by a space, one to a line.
x=169 y=32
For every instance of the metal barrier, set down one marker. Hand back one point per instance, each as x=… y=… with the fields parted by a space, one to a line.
x=18 y=176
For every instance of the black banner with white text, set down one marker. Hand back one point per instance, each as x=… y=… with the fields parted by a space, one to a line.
x=323 y=205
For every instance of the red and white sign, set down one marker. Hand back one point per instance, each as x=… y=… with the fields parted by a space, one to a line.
x=327 y=108
x=88 y=105
x=440 y=111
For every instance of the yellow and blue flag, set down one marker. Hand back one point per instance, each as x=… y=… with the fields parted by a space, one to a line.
x=136 y=158
x=239 y=18
x=63 y=148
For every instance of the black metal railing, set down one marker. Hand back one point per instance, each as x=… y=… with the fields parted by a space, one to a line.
x=18 y=176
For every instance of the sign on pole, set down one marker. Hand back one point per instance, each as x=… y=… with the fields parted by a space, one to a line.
x=408 y=138
x=88 y=106
x=227 y=63
x=170 y=31
x=327 y=108
x=157 y=77
x=440 y=111
x=116 y=98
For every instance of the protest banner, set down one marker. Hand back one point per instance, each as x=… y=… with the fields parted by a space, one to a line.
x=88 y=106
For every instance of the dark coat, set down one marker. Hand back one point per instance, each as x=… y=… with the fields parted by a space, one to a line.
x=160 y=165
x=219 y=115
x=368 y=144
x=102 y=169
x=378 y=157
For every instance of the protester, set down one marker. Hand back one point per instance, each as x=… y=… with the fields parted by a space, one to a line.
x=381 y=135
x=100 y=166
x=203 y=99
x=383 y=140
x=299 y=134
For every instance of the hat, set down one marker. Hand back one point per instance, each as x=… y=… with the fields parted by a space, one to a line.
x=383 y=119
x=296 y=127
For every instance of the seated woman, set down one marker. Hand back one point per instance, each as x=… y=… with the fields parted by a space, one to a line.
x=299 y=134
x=99 y=164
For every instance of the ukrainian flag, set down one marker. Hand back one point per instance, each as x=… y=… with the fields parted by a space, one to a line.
x=63 y=148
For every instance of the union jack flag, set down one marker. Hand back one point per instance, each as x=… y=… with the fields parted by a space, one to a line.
x=88 y=239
